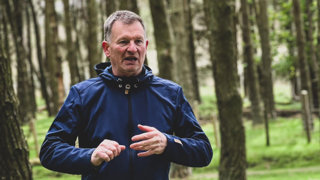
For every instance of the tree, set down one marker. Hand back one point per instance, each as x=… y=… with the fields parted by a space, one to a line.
x=131 y=5
x=92 y=41
x=71 y=54
x=219 y=17
x=14 y=150
x=43 y=79
x=111 y=6
x=14 y=10
x=311 y=54
x=266 y=59
x=162 y=38
x=303 y=65
x=252 y=79
x=51 y=45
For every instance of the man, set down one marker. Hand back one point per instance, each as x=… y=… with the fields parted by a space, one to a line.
x=125 y=118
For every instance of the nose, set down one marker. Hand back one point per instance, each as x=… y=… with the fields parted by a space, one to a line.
x=132 y=47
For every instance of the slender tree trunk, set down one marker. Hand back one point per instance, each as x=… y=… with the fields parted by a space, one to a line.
x=266 y=59
x=303 y=65
x=318 y=36
x=32 y=96
x=253 y=83
x=14 y=155
x=71 y=56
x=92 y=41
x=51 y=54
x=194 y=70
x=111 y=6
x=14 y=13
x=162 y=38
x=233 y=151
x=131 y=5
x=43 y=79
x=311 y=55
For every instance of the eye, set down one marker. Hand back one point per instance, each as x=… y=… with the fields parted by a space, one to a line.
x=123 y=42
x=139 y=42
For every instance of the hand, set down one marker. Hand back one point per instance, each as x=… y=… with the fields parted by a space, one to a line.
x=106 y=151
x=151 y=142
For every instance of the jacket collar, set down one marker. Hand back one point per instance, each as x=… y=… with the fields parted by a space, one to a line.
x=104 y=70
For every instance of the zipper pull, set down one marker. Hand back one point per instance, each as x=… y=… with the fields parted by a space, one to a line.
x=127 y=88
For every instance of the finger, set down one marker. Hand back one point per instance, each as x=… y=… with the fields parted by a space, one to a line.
x=145 y=154
x=122 y=147
x=143 y=143
x=146 y=128
x=143 y=136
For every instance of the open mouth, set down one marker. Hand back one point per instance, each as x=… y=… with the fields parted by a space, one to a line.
x=131 y=58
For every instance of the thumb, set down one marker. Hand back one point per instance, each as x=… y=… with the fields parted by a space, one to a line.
x=145 y=128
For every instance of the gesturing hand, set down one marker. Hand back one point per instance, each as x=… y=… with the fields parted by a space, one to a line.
x=151 y=142
x=106 y=151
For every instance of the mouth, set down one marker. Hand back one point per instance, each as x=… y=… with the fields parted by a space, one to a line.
x=131 y=58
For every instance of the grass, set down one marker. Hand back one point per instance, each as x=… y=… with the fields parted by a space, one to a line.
x=288 y=157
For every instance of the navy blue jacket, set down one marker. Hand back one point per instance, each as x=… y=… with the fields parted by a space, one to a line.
x=110 y=107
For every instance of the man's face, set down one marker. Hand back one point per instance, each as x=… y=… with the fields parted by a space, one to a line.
x=127 y=48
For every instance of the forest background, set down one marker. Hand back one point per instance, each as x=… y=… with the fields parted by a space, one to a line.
x=249 y=68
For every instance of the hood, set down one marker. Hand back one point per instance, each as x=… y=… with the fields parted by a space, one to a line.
x=104 y=70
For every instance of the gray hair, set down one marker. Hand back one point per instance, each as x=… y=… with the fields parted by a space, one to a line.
x=127 y=17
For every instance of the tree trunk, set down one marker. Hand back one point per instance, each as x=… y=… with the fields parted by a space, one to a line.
x=43 y=79
x=14 y=162
x=219 y=16
x=253 y=83
x=162 y=38
x=266 y=59
x=14 y=13
x=111 y=6
x=92 y=41
x=32 y=96
x=303 y=65
x=51 y=54
x=318 y=36
x=71 y=56
x=131 y=5
x=311 y=55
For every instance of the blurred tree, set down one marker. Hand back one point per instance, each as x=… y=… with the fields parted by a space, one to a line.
x=311 y=54
x=266 y=59
x=131 y=5
x=162 y=38
x=318 y=46
x=92 y=36
x=254 y=96
x=71 y=53
x=14 y=156
x=43 y=79
x=111 y=6
x=219 y=17
x=32 y=72
x=303 y=64
x=14 y=10
x=53 y=65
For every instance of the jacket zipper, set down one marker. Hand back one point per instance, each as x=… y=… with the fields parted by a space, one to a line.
x=131 y=128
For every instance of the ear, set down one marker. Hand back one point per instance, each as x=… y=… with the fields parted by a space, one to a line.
x=105 y=47
x=147 y=43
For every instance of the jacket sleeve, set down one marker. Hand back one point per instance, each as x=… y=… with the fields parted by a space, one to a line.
x=58 y=152
x=189 y=145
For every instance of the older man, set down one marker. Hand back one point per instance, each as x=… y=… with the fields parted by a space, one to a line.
x=126 y=117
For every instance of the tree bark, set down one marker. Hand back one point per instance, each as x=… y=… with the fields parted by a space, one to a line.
x=266 y=59
x=219 y=16
x=71 y=56
x=162 y=38
x=311 y=55
x=131 y=5
x=111 y=6
x=253 y=83
x=14 y=13
x=43 y=79
x=92 y=41
x=14 y=162
x=303 y=65
x=52 y=54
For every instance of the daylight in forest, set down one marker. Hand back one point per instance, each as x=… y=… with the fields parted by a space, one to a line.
x=237 y=80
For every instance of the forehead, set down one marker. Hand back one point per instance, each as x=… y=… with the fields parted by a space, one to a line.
x=120 y=30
